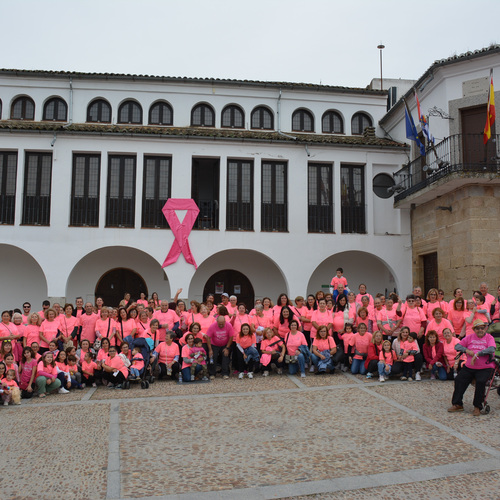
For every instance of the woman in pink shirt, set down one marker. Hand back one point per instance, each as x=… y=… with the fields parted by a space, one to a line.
x=27 y=373
x=360 y=342
x=8 y=330
x=114 y=370
x=282 y=322
x=187 y=361
x=323 y=349
x=32 y=330
x=68 y=326
x=272 y=349
x=49 y=330
x=143 y=299
x=309 y=308
x=452 y=363
x=105 y=327
x=46 y=379
x=438 y=323
x=432 y=303
x=259 y=322
x=167 y=355
x=387 y=320
x=268 y=307
x=247 y=354
x=297 y=350
x=321 y=317
x=125 y=326
x=282 y=301
x=456 y=315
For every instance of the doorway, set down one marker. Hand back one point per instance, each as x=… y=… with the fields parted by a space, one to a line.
x=430 y=272
x=205 y=192
x=233 y=283
x=476 y=155
x=113 y=285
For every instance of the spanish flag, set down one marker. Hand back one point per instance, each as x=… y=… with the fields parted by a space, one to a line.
x=490 y=117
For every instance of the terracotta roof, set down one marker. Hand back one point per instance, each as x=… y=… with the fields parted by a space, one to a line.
x=492 y=49
x=196 y=132
x=185 y=79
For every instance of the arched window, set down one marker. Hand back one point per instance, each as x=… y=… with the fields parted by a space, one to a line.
x=99 y=111
x=130 y=112
x=359 y=122
x=302 y=121
x=202 y=115
x=233 y=117
x=332 y=123
x=161 y=113
x=262 y=118
x=55 y=109
x=23 y=108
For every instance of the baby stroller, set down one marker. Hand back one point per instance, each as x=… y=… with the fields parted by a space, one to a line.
x=146 y=378
x=494 y=382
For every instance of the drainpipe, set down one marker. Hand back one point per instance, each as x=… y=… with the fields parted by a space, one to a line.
x=279 y=120
x=70 y=101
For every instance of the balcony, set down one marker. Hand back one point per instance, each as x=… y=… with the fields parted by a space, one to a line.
x=457 y=160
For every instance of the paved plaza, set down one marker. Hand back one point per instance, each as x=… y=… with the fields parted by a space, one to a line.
x=329 y=437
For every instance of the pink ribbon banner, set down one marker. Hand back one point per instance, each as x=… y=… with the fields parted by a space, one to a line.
x=180 y=230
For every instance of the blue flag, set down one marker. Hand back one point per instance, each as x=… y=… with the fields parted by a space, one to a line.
x=411 y=131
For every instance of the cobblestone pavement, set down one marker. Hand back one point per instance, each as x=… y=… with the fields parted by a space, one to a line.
x=332 y=437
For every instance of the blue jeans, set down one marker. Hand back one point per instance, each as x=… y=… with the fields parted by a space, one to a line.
x=382 y=368
x=322 y=364
x=440 y=372
x=186 y=373
x=358 y=366
x=293 y=368
x=252 y=354
x=135 y=372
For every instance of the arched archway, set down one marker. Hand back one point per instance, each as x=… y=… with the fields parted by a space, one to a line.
x=233 y=283
x=359 y=267
x=113 y=284
x=17 y=267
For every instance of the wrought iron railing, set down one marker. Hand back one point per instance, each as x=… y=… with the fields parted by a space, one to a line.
x=458 y=153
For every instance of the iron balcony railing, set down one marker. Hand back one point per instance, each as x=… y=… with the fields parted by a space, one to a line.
x=458 y=153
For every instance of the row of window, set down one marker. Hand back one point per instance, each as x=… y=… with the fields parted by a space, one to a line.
x=157 y=174
x=202 y=115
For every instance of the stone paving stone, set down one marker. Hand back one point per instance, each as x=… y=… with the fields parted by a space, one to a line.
x=432 y=400
x=337 y=378
x=74 y=395
x=261 y=440
x=465 y=487
x=47 y=453
x=217 y=386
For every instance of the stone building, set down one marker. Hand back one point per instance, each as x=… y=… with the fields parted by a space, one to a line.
x=453 y=192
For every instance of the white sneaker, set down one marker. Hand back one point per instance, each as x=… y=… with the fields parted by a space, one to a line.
x=225 y=377
x=433 y=377
x=265 y=374
x=302 y=375
x=381 y=378
x=62 y=390
x=417 y=376
x=241 y=375
x=250 y=374
x=311 y=370
x=5 y=403
x=192 y=378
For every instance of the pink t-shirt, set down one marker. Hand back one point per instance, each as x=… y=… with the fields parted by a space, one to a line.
x=449 y=350
x=168 y=318
x=321 y=318
x=457 y=319
x=105 y=327
x=167 y=353
x=89 y=367
x=32 y=334
x=117 y=363
x=293 y=342
x=49 y=331
x=361 y=295
x=137 y=361
x=338 y=321
x=324 y=344
x=87 y=322
x=476 y=344
x=27 y=370
x=336 y=281
x=245 y=341
x=432 y=325
x=67 y=325
x=360 y=343
x=412 y=318
x=409 y=346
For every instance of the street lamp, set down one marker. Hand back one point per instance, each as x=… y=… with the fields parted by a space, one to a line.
x=381 y=47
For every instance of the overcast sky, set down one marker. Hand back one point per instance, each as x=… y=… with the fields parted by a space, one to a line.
x=316 y=41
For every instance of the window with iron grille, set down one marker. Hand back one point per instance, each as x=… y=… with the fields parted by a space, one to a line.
x=274 y=197
x=239 y=195
x=359 y=122
x=332 y=123
x=233 y=117
x=302 y=121
x=130 y=112
x=85 y=189
x=320 y=199
x=120 y=199
x=262 y=118
x=55 y=109
x=161 y=113
x=352 y=179
x=23 y=108
x=8 y=175
x=202 y=115
x=99 y=111
x=37 y=189
x=156 y=190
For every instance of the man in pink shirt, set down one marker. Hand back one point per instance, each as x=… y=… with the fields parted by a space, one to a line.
x=489 y=300
x=87 y=323
x=26 y=312
x=219 y=339
x=166 y=318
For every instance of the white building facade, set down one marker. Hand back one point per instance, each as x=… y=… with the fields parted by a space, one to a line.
x=290 y=180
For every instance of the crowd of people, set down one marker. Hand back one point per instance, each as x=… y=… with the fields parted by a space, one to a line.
x=69 y=347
